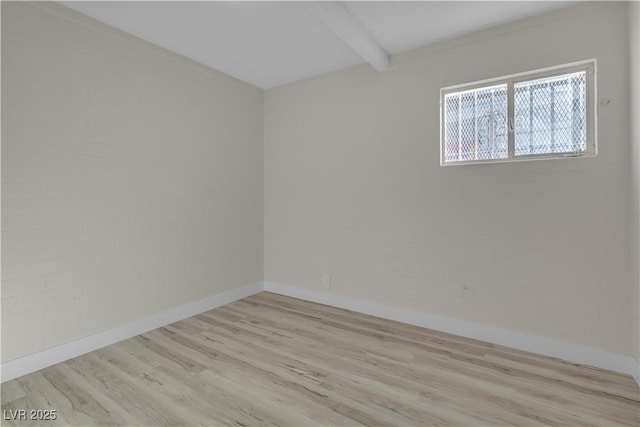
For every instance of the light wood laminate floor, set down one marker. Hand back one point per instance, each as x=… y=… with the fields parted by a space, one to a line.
x=273 y=360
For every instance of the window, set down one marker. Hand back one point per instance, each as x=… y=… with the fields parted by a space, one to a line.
x=547 y=113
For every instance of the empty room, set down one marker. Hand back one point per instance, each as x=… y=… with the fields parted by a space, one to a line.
x=320 y=213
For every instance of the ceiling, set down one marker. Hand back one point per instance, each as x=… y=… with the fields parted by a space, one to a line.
x=269 y=43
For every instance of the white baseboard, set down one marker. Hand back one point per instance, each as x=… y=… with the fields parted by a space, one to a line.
x=535 y=344
x=36 y=361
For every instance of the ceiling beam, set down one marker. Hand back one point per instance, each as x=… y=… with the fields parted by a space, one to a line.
x=341 y=22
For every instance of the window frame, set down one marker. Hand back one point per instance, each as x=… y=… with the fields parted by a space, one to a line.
x=588 y=66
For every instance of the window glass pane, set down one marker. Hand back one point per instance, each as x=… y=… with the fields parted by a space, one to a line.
x=550 y=115
x=475 y=124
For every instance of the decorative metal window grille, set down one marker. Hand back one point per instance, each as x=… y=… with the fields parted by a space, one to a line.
x=476 y=125
x=542 y=114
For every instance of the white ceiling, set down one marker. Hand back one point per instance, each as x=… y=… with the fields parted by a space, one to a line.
x=269 y=43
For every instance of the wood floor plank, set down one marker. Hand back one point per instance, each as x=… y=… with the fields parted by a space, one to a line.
x=428 y=379
x=270 y=360
x=623 y=387
x=452 y=342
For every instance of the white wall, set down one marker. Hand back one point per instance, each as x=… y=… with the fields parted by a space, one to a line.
x=353 y=189
x=131 y=179
x=634 y=55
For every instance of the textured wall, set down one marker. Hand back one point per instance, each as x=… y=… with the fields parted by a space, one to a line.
x=634 y=56
x=131 y=179
x=353 y=189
